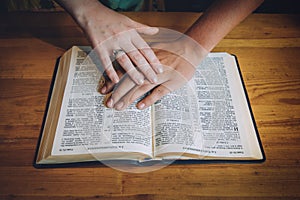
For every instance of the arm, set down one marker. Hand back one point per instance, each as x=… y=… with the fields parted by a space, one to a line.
x=207 y=31
x=219 y=20
x=107 y=31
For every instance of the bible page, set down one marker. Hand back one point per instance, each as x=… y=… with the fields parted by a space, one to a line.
x=86 y=126
x=209 y=117
x=176 y=123
x=226 y=124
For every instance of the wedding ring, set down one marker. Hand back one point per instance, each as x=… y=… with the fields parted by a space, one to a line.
x=117 y=51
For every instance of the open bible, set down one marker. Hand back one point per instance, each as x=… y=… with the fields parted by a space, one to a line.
x=208 y=119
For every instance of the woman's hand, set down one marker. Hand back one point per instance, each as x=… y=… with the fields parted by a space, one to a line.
x=179 y=58
x=115 y=36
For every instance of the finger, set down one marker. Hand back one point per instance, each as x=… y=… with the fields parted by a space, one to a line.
x=154 y=96
x=105 y=64
x=101 y=84
x=106 y=85
x=124 y=94
x=138 y=58
x=127 y=65
x=143 y=65
x=134 y=94
x=148 y=53
x=120 y=90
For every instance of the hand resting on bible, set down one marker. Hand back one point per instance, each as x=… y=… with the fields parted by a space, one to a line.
x=115 y=36
x=179 y=59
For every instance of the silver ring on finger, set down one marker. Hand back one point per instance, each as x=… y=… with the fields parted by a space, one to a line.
x=116 y=52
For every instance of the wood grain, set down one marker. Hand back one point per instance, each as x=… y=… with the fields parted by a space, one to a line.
x=268 y=49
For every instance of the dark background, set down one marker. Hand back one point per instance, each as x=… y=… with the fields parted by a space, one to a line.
x=268 y=6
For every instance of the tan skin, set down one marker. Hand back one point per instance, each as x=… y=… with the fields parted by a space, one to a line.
x=179 y=67
x=108 y=30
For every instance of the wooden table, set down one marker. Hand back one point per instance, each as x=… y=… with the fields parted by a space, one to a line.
x=268 y=49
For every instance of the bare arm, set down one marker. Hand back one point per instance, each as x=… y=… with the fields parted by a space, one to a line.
x=115 y=36
x=207 y=31
x=219 y=20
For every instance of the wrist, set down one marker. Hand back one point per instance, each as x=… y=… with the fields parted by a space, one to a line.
x=201 y=34
x=194 y=52
x=82 y=10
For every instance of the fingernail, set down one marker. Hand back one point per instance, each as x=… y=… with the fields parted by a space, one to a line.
x=119 y=105
x=160 y=69
x=103 y=90
x=110 y=103
x=141 y=106
x=140 y=81
x=116 y=79
x=154 y=80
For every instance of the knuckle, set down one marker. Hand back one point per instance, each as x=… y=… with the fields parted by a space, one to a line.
x=149 y=54
x=132 y=72
x=109 y=70
x=122 y=59
x=148 y=70
x=135 y=55
x=105 y=63
x=110 y=73
x=138 y=58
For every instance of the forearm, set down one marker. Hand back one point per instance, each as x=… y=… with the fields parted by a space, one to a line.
x=80 y=10
x=219 y=20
